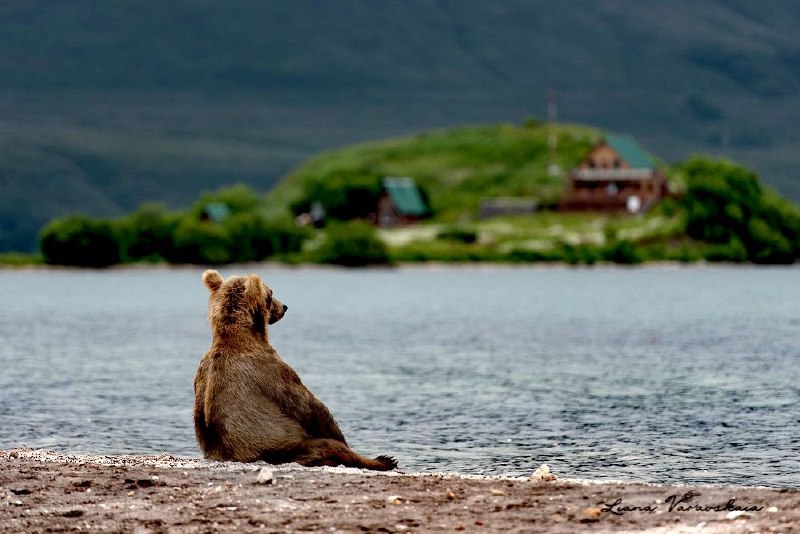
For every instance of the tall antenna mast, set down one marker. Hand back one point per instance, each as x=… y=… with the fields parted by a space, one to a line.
x=552 y=137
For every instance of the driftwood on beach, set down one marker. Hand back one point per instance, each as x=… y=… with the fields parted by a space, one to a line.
x=45 y=490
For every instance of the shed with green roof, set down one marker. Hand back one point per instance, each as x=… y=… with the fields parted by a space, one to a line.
x=400 y=203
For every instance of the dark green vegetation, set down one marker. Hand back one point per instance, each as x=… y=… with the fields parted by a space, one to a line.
x=727 y=206
x=352 y=244
x=107 y=105
x=19 y=259
x=152 y=234
x=720 y=212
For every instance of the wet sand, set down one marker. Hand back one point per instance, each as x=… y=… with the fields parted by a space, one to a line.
x=44 y=491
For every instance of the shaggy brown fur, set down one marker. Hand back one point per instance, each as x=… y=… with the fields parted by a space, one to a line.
x=249 y=404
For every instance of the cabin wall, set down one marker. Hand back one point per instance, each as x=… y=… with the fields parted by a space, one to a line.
x=612 y=195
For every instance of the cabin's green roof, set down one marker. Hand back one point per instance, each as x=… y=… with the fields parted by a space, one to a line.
x=405 y=196
x=217 y=211
x=630 y=151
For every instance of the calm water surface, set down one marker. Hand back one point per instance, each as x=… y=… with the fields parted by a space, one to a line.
x=656 y=374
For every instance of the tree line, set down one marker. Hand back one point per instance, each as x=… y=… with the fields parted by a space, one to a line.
x=726 y=212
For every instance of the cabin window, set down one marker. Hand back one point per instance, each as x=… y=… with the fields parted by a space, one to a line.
x=617 y=163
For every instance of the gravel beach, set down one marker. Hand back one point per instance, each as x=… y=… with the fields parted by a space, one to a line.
x=45 y=491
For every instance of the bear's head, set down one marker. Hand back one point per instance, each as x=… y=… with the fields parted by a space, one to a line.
x=240 y=303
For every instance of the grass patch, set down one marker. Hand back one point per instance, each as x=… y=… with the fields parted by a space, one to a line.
x=19 y=259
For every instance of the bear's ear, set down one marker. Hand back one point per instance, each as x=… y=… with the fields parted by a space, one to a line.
x=254 y=290
x=212 y=280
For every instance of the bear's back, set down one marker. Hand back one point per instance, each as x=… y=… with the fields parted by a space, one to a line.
x=241 y=420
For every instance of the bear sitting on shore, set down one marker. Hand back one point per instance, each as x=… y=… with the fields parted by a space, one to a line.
x=249 y=404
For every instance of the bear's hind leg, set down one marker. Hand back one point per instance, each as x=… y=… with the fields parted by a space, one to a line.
x=321 y=451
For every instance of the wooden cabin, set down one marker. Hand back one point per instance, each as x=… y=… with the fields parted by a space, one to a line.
x=400 y=203
x=617 y=175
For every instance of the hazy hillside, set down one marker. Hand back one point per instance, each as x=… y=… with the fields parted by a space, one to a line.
x=104 y=105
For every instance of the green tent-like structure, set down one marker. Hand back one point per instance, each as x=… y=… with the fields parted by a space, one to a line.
x=405 y=196
x=401 y=202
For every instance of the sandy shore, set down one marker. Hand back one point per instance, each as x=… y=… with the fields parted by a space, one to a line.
x=47 y=491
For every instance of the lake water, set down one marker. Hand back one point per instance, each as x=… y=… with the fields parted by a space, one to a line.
x=659 y=374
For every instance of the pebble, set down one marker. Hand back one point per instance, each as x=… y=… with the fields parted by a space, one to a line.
x=592 y=513
x=772 y=509
x=543 y=473
x=497 y=492
x=738 y=514
x=394 y=499
x=72 y=513
x=266 y=476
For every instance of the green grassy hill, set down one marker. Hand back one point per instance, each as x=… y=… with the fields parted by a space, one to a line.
x=457 y=168
x=105 y=105
x=460 y=167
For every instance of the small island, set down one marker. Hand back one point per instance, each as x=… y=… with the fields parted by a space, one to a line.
x=498 y=193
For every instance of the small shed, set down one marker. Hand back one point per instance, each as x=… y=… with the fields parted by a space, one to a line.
x=495 y=207
x=215 y=212
x=617 y=175
x=400 y=203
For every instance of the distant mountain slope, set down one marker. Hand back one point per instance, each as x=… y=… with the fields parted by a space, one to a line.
x=104 y=105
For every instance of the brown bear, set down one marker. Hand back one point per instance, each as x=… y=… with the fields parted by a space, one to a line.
x=249 y=404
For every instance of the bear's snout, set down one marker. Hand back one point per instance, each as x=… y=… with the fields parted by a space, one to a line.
x=277 y=311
